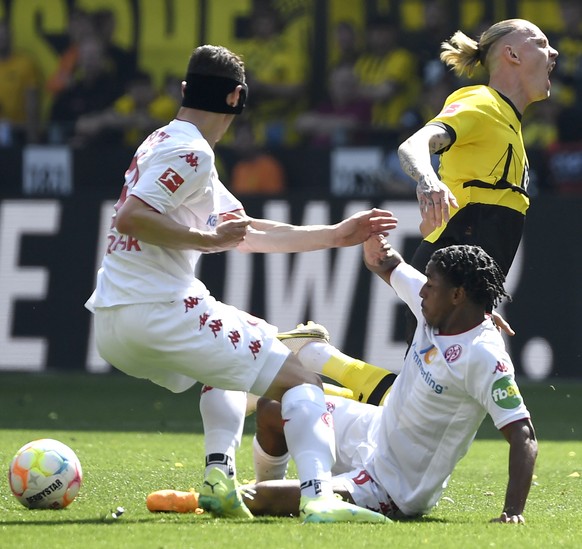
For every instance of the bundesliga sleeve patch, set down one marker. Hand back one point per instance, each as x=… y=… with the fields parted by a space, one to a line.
x=451 y=109
x=505 y=393
x=171 y=180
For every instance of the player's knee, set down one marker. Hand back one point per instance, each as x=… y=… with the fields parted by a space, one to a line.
x=269 y=427
x=291 y=374
x=269 y=416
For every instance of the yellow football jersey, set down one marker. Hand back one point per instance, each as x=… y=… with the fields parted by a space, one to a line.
x=486 y=162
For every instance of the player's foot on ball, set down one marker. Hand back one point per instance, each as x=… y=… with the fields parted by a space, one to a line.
x=173 y=501
x=222 y=496
x=296 y=339
x=334 y=509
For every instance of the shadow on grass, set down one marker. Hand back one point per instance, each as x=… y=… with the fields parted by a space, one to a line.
x=116 y=402
x=70 y=521
x=152 y=520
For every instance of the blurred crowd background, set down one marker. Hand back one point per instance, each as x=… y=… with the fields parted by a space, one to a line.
x=322 y=74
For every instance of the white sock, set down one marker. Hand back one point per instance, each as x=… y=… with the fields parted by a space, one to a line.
x=223 y=417
x=308 y=429
x=268 y=467
x=314 y=355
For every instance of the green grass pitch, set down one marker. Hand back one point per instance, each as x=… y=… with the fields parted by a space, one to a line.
x=133 y=437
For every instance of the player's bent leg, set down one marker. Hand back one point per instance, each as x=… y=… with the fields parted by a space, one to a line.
x=368 y=383
x=308 y=430
x=310 y=342
x=336 y=390
x=278 y=498
x=296 y=339
x=283 y=498
x=270 y=454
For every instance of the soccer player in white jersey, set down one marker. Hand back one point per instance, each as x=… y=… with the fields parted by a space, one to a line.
x=155 y=319
x=397 y=458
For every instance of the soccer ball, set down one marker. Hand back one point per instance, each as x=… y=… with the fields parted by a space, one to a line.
x=45 y=474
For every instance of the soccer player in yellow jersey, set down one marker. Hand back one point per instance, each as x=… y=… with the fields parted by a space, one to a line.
x=479 y=196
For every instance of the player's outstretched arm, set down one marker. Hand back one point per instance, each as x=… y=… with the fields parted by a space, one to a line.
x=266 y=236
x=137 y=219
x=380 y=257
x=523 y=450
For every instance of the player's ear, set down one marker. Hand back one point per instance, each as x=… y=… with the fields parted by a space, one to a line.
x=237 y=97
x=232 y=98
x=511 y=54
x=458 y=295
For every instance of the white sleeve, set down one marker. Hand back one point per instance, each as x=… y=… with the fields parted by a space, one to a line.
x=407 y=282
x=168 y=181
x=491 y=380
x=227 y=201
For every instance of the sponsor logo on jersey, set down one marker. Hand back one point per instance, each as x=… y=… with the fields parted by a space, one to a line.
x=505 y=393
x=500 y=367
x=212 y=220
x=429 y=354
x=453 y=352
x=171 y=180
x=191 y=159
x=122 y=242
x=424 y=373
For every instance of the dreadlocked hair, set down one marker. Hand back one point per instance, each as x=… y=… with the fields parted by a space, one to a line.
x=473 y=269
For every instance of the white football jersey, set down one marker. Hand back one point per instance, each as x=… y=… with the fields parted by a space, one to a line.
x=173 y=172
x=447 y=386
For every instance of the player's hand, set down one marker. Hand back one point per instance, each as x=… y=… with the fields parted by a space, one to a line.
x=379 y=256
x=230 y=233
x=376 y=249
x=502 y=324
x=509 y=519
x=360 y=226
x=435 y=201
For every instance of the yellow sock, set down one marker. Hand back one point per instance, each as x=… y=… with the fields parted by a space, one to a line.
x=335 y=390
x=368 y=383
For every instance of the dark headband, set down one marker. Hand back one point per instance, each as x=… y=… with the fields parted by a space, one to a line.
x=208 y=93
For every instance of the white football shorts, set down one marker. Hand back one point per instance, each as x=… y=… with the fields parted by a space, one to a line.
x=356 y=425
x=196 y=339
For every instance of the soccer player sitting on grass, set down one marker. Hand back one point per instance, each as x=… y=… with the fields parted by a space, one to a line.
x=396 y=459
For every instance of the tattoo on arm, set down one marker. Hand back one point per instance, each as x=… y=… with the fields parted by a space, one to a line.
x=407 y=165
x=415 y=158
x=438 y=143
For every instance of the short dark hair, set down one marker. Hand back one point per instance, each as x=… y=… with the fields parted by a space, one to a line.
x=473 y=269
x=216 y=61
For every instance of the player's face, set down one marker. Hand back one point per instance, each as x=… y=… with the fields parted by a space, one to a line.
x=538 y=59
x=437 y=297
